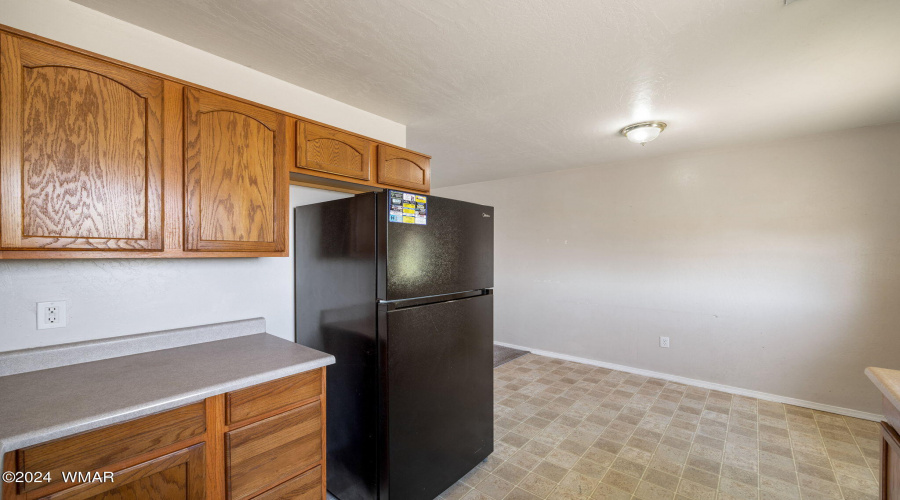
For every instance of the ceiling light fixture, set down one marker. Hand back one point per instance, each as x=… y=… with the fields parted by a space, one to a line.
x=644 y=132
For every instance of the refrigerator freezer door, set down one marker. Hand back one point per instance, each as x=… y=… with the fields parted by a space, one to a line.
x=439 y=376
x=452 y=252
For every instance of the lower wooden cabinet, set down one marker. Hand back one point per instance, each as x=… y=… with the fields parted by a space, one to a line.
x=116 y=444
x=178 y=475
x=273 y=447
x=890 y=463
x=272 y=450
x=306 y=486
x=247 y=405
x=889 y=482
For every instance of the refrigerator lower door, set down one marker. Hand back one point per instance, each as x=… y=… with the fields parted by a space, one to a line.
x=438 y=395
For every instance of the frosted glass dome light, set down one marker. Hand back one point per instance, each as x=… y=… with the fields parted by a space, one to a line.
x=644 y=132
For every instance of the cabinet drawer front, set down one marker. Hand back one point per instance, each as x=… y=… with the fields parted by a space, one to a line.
x=271 y=396
x=306 y=486
x=328 y=150
x=110 y=445
x=265 y=453
x=401 y=168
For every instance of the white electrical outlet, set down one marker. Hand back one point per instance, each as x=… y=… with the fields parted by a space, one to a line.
x=51 y=315
x=664 y=341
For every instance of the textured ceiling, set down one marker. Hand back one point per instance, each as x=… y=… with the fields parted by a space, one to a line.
x=501 y=88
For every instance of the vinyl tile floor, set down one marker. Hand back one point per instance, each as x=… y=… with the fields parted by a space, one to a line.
x=565 y=430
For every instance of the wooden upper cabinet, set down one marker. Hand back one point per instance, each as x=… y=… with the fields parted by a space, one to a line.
x=103 y=159
x=235 y=175
x=80 y=151
x=328 y=150
x=402 y=168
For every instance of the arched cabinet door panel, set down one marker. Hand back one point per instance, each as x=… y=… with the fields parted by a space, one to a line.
x=235 y=175
x=80 y=151
x=402 y=168
x=329 y=150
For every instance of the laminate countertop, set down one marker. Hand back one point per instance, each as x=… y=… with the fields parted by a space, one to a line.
x=888 y=382
x=72 y=397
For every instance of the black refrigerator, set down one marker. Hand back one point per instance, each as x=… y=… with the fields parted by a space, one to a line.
x=398 y=287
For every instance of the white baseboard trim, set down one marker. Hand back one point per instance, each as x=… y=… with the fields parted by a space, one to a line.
x=704 y=384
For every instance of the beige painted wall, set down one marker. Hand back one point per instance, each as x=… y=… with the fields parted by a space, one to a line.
x=772 y=267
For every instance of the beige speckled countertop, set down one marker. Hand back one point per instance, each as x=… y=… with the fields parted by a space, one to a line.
x=140 y=375
x=888 y=382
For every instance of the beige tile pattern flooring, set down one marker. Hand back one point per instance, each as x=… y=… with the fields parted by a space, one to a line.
x=566 y=430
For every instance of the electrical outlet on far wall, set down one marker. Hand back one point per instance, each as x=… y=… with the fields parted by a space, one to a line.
x=664 y=341
x=51 y=315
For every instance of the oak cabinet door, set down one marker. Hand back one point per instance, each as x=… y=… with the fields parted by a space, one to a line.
x=80 y=151
x=99 y=448
x=332 y=151
x=177 y=476
x=235 y=175
x=401 y=168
